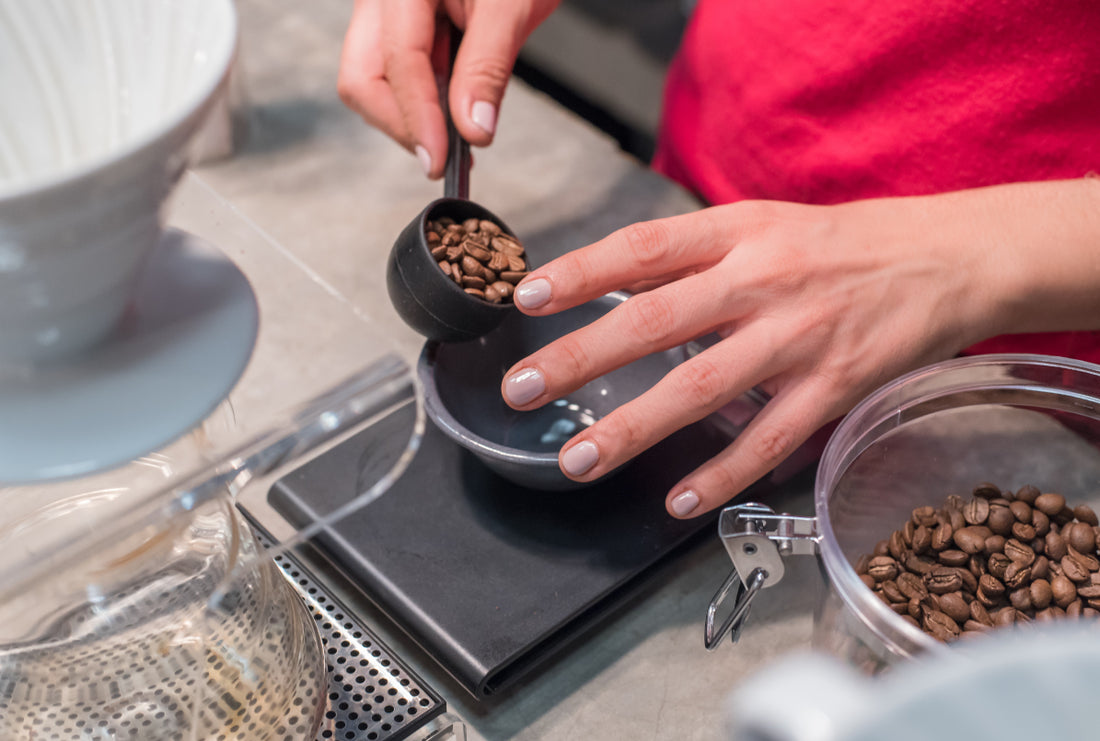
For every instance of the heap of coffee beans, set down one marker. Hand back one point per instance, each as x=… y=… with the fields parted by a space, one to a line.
x=995 y=560
x=478 y=256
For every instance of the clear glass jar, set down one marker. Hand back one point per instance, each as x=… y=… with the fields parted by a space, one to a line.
x=1010 y=420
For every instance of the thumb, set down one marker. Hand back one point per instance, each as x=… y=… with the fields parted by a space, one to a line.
x=495 y=32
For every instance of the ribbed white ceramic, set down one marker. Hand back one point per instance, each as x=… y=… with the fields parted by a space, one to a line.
x=100 y=101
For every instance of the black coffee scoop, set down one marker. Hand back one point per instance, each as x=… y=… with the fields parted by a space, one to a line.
x=428 y=299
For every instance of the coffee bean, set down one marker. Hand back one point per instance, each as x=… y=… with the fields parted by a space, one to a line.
x=1022 y=532
x=1018 y=552
x=911 y=620
x=1090 y=563
x=1005 y=616
x=1055 y=546
x=897 y=546
x=955 y=607
x=472 y=281
x=1074 y=570
x=972 y=539
x=513 y=276
x=942 y=536
x=941 y=626
x=489 y=227
x=1050 y=503
x=924 y=516
x=1041 y=568
x=994 y=544
x=919 y=564
x=475 y=292
x=975 y=511
x=912 y=586
x=970 y=582
x=986 y=491
x=1027 y=493
x=922 y=539
x=1041 y=522
x=953 y=557
x=1021 y=511
x=1080 y=536
x=1091 y=591
x=976 y=566
x=1041 y=593
x=973 y=626
x=1020 y=599
x=991 y=586
x=1000 y=520
x=943 y=580
x=882 y=568
x=998 y=563
x=1062 y=590
x=477 y=250
x=867 y=581
x=891 y=592
x=1018 y=574
x=1074 y=609
x=1085 y=514
x=979 y=613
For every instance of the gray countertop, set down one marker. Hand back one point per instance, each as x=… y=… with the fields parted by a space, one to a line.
x=334 y=193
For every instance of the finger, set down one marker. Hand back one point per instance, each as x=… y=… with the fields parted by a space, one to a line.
x=494 y=33
x=645 y=251
x=688 y=393
x=650 y=322
x=776 y=433
x=361 y=82
x=407 y=51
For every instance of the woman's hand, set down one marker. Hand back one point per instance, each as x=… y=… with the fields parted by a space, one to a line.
x=818 y=306
x=393 y=50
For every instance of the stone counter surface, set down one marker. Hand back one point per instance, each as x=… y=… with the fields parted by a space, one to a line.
x=334 y=193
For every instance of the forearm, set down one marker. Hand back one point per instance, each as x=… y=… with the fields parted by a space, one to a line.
x=1042 y=248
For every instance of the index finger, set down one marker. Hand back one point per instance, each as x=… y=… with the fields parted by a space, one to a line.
x=632 y=255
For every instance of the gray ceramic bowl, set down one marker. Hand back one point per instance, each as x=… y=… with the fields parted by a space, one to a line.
x=461 y=385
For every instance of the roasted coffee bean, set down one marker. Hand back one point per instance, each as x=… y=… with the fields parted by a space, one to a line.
x=915 y=608
x=504 y=288
x=475 y=292
x=1050 y=503
x=472 y=281
x=1000 y=520
x=862 y=562
x=1018 y=552
x=1027 y=493
x=1017 y=575
x=912 y=585
x=1074 y=609
x=941 y=626
x=896 y=545
x=979 y=613
x=1041 y=522
x=882 y=568
x=919 y=564
x=924 y=516
x=987 y=600
x=1041 y=568
x=922 y=539
x=1056 y=547
x=899 y=608
x=1074 y=570
x=1022 y=511
x=1080 y=536
x=972 y=539
x=1005 y=616
x=955 y=607
x=911 y=620
x=1062 y=590
x=512 y=276
x=1088 y=612
x=1022 y=532
x=975 y=511
x=1086 y=560
x=994 y=544
x=973 y=626
x=976 y=566
x=998 y=562
x=477 y=250
x=1041 y=594
x=991 y=586
x=953 y=557
x=882 y=548
x=891 y=592
x=867 y=581
x=970 y=582
x=986 y=490
x=1020 y=599
x=942 y=580
x=1086 y=514
x=1090 y=591
x=942 y=536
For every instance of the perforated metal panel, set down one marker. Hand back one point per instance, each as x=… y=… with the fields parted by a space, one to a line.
x=373 y=696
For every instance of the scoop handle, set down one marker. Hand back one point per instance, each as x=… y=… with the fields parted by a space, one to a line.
x=456 y=173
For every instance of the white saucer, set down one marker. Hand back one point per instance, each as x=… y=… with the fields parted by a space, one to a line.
x=180 y=349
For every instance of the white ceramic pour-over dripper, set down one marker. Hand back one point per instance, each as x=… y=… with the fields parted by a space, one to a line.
x=100 y=103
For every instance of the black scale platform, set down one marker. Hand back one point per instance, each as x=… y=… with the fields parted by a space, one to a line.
x=487 y=577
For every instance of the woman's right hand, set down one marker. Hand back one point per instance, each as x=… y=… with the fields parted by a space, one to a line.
x=394 y=49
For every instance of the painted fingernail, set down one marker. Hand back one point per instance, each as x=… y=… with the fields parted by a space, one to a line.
x=484 y=115
x=523 y=386
x=533 y=293
x=425 y=160
x=580 y=458
x=684 y=504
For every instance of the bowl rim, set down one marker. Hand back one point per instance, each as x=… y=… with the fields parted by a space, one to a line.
x=190 y=107
x=437 y=411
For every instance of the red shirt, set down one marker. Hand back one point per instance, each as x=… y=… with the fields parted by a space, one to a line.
x=825 y=101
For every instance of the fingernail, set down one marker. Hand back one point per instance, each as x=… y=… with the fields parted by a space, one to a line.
x=533 y=293
x=524 y=386
x=425 y=160
x=579 y=458
x=485 y=116
x=685 y=503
